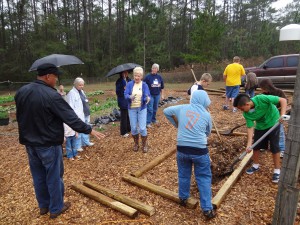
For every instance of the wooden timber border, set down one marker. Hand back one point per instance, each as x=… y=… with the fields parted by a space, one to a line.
x=191 y=202
x=225 y=189
x=119 y=206
x=143 y=208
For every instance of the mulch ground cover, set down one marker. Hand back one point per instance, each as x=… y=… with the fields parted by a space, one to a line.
x=251 y=201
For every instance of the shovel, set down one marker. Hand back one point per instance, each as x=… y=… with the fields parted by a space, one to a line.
x=230 y=131
x=231 y=169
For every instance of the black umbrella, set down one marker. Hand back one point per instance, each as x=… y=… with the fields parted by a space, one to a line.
x=120 y=68
x=56 y=59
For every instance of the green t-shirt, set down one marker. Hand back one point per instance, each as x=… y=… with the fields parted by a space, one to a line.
x=265 y=114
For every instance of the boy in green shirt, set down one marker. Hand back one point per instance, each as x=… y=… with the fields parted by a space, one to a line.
x=261 y=114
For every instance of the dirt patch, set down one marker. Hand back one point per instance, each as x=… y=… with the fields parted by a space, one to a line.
x=251 y=201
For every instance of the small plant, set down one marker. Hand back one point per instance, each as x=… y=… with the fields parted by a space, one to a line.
x=7 y=98
x=95 y=93
x=4 y=118
x=3 y=114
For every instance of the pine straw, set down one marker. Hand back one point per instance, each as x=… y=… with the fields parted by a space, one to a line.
x=251 y=201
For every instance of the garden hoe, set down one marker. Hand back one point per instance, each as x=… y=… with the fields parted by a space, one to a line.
x=231 y=168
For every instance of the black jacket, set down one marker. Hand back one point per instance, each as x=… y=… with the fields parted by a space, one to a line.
x=41 y=112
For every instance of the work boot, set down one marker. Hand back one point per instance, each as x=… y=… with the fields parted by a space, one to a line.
x=144 y=144
x=65 y=208
x=136 y=142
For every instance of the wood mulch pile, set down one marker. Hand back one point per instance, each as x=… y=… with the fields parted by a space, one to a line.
x=251 y=201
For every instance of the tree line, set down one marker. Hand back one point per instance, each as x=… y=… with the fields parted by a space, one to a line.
x=105 y=33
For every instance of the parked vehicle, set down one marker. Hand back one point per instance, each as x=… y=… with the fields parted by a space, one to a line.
x=281 y=69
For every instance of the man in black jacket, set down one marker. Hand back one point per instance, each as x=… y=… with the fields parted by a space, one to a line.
x=41 y=112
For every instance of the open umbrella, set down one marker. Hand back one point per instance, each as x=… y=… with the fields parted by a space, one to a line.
x=120 y=68
x=56 y=59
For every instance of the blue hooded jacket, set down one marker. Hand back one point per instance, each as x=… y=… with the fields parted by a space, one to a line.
x=194 y=121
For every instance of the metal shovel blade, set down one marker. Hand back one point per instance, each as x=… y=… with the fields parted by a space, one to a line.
x=230 y=131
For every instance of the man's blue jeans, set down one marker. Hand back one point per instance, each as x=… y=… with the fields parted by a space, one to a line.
x=47 y=169
x=203 y=177
x=137 y=119
x=281 y=138
x=152 y=108
x=71 y=146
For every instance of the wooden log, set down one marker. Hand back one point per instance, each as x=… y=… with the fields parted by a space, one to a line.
x=288 y=91
x=119 y=206
x=225 y=189
x=143 y=208
x=153 y=163
x=191 y=202
x=214 y=90
x=232 y=134
x=215 y=93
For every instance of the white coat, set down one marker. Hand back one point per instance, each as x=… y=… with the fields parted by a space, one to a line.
x=74 y=100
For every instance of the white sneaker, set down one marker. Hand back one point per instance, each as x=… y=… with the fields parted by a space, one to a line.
x=80 y=150
x=125 y=135
x=281 y=154
x=91 y=144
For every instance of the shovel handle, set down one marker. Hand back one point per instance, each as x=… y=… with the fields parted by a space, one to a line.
x=194 y=75
x=258 y=141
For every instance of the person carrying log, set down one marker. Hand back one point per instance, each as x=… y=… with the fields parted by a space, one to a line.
x=194 y=126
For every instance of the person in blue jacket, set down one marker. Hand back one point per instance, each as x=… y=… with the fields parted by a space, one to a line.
x=138 y=96
x=194 y=126
x=122 y=103
x=156 y=86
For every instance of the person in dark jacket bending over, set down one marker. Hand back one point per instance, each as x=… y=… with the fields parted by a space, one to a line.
x=122 y=103
x=41 y=112
x=156 y=86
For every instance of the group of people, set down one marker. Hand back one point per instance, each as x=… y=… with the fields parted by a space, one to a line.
x=42 y=113
x=233 y=74
x=194 y=126
x=138 y=101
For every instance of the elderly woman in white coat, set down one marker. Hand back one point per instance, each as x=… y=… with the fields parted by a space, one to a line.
x=79 y=103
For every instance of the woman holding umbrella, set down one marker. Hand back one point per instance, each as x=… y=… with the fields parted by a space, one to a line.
x=138 y=96
x=122 y=103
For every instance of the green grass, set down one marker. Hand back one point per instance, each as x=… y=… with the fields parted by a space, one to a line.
x=6 y=98
x=105 y=108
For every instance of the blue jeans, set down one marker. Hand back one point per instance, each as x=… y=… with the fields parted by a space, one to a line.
x=84 y=139
x=71 y=146
x=47 y=169
x=203 y=177
x=137 y=119
x=281 y=138
x=152 y=108
x=250 y=92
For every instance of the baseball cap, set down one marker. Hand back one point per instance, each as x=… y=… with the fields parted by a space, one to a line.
x=48 y=68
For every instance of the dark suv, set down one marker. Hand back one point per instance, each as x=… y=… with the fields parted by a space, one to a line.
x=281 y=69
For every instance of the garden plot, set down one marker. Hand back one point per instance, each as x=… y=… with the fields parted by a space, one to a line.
x=251 y=201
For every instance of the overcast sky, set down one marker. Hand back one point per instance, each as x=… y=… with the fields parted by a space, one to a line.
x=281 y=3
